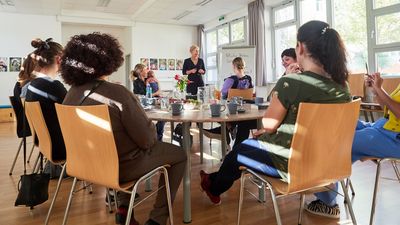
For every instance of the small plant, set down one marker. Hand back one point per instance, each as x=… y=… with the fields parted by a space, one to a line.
x=182 y=82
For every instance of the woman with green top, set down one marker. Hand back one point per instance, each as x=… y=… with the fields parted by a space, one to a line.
x=322 y=56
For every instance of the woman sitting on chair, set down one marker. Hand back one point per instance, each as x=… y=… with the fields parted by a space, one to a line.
x=380 y=139
x=45 y=89
x=87 y=62
x=321 y=54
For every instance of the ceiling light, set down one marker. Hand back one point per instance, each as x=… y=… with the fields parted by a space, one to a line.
x=103 y=3
x=180 y=16
x=203 y=3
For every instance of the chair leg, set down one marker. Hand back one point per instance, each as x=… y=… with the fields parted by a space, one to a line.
x=69 y=201
x=168 y=192
x=261 y=193
x=16 y=157
x=55 y=194
x=378 y=171
x=109 y=201
x=396 y=170
x=131 y=203
x=275 y=204
x=301 y=210
x=351 y=187
x=242 y=182
x=36 y=164
x=349 y=204
x=201 y=137
x=30 y=154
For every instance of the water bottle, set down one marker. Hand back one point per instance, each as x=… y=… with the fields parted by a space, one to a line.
x=148 y=91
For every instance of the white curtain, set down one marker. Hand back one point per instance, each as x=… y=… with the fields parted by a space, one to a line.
x=257 y=38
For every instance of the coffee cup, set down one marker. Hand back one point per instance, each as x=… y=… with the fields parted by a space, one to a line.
x=232 y=108
x=176 y=108
x=259 y=100
x=216 y=109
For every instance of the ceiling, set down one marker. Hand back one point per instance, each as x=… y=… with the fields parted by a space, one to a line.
x=154 y=11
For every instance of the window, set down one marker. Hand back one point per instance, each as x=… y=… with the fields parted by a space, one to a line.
x=223 y=35
x=231 y=33
x=384 y=3
x=284 y=33
x=284 y=38
x=237 y=31
x=317 y=7
x=211 y=42
x=388 y=63
x=388 y=28
x=350 y=21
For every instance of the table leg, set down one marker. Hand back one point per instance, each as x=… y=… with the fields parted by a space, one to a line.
x=366 y=116
x=372 y=116
x=187 y=211
x=172 y=131
x=201 y=142
x=223 y=139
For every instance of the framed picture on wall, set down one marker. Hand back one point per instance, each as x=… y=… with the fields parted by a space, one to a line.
x=153 y=64
x=179 y=64
x=145 y=61
x=162 y=64
x=15 y=64
x=171 y=64
x=3 y=64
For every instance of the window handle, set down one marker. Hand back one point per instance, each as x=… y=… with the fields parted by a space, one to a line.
x=372 y=34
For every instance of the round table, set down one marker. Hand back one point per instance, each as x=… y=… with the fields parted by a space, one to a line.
x=200 y=117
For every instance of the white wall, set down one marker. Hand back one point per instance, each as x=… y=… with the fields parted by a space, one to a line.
x=17 y=32
x=121 y=33
x=162 y=41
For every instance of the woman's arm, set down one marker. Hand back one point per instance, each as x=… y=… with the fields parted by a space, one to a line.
x=158 y=92
x=228 y=83
x=273 y=117
x=384 y=99
x=202 y=69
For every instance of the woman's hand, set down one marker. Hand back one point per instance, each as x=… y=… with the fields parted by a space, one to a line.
x=293 y=68
x=375 y=81
x=258 y=133
x=201 y=71
x=190 y=71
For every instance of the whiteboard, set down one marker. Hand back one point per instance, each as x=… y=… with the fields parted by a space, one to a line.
x=227 y=54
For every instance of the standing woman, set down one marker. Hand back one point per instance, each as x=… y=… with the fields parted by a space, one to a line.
x=48 y=91
x=194 y=68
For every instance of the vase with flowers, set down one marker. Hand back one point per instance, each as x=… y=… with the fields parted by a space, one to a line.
x=181 y=83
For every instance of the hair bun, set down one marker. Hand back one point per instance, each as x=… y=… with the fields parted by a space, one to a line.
x=36 y=43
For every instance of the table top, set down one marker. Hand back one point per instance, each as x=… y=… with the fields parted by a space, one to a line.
x=252 y=112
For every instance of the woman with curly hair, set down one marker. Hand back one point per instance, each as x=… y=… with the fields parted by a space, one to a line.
x=87 y=62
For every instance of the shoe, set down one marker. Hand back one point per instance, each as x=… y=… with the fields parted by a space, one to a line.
x=319 y=208
x=120 y=216
x=205 y=186
x=151 y=222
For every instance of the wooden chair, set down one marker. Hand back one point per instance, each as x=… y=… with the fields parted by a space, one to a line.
x=19 y=114
x=92 y=155
x=390 y=84
x=357 y=84
x=36 y=120
x=246 y=94
x=318 y=156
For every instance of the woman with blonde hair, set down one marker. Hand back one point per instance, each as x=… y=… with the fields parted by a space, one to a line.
x=195 y=69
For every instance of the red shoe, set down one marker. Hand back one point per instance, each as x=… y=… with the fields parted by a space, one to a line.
x=120 y=216
x=205 y=186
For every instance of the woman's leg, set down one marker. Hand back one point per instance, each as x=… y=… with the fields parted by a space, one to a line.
x=250 y=154
x=243 y=130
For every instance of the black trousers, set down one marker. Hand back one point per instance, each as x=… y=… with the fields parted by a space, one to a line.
x=243 y=130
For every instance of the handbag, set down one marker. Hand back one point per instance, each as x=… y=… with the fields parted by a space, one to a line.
x=32 y=188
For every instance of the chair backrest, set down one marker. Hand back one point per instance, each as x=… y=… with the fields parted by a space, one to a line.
x=390 y=84
x=356 y=84
x=89 y=142
x=246 y=94
x=36 y=120
x=321 y=146
x=19 y=114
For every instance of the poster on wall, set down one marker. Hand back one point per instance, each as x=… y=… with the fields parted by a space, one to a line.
x=15 y=64
x=145 y=61
x=162 y=64
x=179 y=64
x=153 y=64
x=3 y=64
x=171 y=64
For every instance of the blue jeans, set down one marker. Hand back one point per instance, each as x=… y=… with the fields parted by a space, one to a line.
x=370 y=139
x=250 y=153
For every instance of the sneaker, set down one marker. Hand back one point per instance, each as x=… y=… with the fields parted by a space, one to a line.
x=319 y=208
x=120 y=216
x=205 y=186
